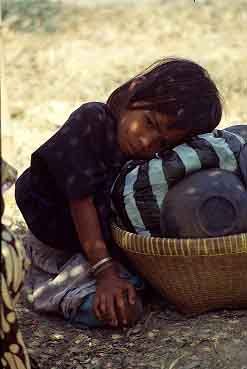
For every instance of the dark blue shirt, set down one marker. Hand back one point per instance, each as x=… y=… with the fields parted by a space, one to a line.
x=80 y=160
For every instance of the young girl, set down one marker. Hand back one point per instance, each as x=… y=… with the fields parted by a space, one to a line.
x=65 y=194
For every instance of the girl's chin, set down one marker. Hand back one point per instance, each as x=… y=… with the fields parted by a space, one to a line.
x=142 y=156
x=133 y=153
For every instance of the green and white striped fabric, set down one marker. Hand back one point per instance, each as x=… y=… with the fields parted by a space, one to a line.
x=141 y=186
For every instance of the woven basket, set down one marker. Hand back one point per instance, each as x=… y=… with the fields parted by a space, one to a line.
x=196 y=275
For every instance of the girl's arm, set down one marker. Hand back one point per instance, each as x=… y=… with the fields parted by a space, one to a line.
x=111 y=288
x=88 y=229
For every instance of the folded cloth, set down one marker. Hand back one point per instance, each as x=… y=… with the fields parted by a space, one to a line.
x=60 y=283
x=14 y=264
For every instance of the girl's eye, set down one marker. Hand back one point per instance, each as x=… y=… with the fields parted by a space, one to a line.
x=149 y=123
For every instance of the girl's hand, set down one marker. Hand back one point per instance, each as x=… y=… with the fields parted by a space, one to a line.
x=110 y=302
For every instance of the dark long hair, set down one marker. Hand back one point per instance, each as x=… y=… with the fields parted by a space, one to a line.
x=173 y=86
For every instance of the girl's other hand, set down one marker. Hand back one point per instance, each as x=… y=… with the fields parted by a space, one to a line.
x=110 y=303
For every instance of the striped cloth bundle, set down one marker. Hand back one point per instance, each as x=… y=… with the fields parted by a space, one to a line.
x=141 y=187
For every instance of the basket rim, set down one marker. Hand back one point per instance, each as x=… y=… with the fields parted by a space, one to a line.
x=156 y=246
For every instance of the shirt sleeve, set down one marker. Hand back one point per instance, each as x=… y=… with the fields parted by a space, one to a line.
x=74 y=157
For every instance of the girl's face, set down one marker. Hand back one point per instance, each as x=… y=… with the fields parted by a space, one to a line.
x=143 y=133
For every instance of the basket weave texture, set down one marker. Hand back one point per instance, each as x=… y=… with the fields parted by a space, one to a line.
x=196 y=275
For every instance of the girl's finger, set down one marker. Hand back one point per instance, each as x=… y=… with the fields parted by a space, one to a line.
x=96 y=308
x=121 y=305
x=131 y=294
x=102 y=305
x=111 y=311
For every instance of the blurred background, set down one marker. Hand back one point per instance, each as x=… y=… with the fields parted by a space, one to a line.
x=59 y=54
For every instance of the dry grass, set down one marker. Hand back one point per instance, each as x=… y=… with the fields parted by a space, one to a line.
x=94 y=49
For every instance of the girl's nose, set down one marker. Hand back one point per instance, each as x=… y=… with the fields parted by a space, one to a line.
x=145 y=142
x=148 y=141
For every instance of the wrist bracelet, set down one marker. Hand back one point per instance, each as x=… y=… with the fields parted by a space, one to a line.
x=99 y=263
x=101 y=268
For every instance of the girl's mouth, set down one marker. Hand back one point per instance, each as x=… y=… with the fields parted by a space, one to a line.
x=132 y=149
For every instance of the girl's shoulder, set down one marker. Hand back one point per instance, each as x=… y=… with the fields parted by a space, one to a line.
x=91 y=105
x=91 y=119
x=95 y=109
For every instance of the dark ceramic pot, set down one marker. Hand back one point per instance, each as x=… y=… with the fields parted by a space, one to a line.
x=208 y=203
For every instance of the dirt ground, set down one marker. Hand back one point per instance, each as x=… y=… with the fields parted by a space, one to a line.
x=55 y=60
x=163 y=339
